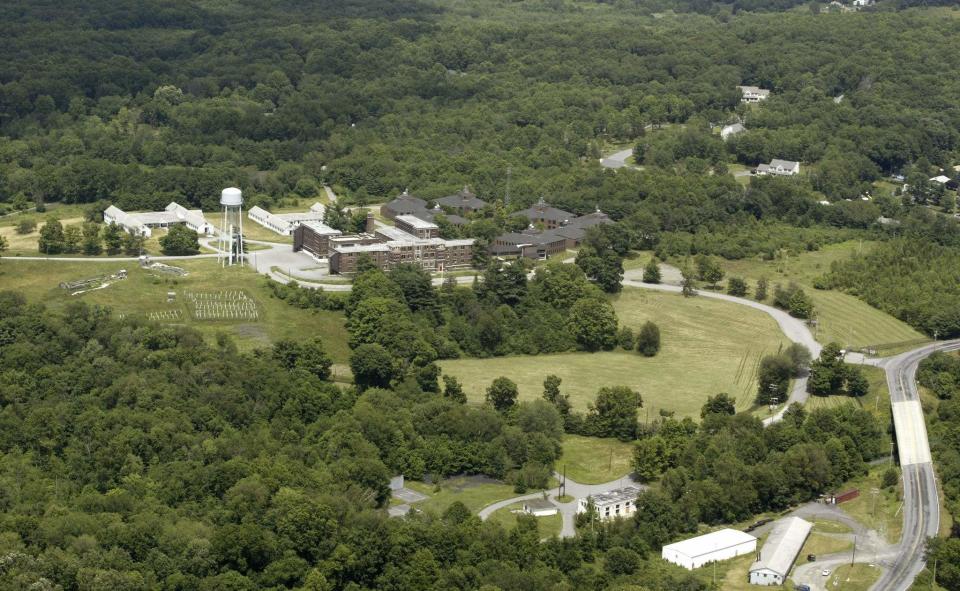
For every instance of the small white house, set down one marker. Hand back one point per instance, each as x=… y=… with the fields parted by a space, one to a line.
x=539 y=507
x=780 y=167
x=753 y=94
x=729 y=131
x=719 y=545
x=942 y=179
x=610 y=505
x=780 y=551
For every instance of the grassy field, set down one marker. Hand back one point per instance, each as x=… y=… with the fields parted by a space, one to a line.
x=881 y=511
x=820 y=544
x=251 y=229
x=857 y=577
x=876 y=401
x=841 y=317
x=708 y=346
x=143 y=293
x=547 y=526
x=732 y=575
x=591 y=460
x=474 y=494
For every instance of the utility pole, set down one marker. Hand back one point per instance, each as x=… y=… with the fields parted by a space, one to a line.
x=853 y=556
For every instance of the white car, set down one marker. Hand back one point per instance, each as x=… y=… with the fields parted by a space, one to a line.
x=825 y=572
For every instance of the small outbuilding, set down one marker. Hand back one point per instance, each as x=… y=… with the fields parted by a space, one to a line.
x=780 y=551
x=719 y=545
x=539 y=507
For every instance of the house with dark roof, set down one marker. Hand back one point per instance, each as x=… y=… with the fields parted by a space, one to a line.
x=530 y=243
x=463 y=202
x=576 y=229
x=544 y=213
x=405 y=204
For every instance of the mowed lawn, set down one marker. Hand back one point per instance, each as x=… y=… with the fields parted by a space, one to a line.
x=144 y=292
x=842 y=318
x=592 y=460
x=708 y=346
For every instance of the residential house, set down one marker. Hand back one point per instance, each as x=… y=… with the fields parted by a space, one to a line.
x=753 y=94
x=779 y=167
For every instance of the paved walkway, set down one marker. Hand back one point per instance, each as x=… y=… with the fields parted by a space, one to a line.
x=568 y=511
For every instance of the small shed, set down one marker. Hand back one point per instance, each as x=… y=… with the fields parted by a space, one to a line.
x=780 y=551
x=539 y=507
x=397 y=482
x=701 y=550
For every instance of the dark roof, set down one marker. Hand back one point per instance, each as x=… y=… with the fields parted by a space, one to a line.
x=590 y=220
x=405 y=203
x=463 y=198
x=529 y=237
x=545 y=211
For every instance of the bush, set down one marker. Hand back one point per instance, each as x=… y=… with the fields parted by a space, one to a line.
x=651 y=272
x=736 y=286
x=648 y=341
x=26 y=226
x=625 y=338
x=890 y=477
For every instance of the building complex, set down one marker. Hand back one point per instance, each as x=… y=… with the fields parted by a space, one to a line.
x=285 y=223
x=142 y=223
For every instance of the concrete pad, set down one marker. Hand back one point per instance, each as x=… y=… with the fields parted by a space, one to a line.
x=408 y=496
x=911 y=432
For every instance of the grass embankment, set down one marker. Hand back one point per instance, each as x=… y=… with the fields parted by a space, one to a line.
x=842 y=318
x=145 y=292
x=471 y=492
x=877 y=400
x=708 y=346
x=591 y=460
x=857 y=577
x=821 y=544
x=880 y=510
x=548 y=526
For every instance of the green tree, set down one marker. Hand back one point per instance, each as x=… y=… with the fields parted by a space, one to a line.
x=502 y=394
x=651 y=271
x=92 y=243
x=72 y=237
x=856 y=383
x=761 y=292
x=722 y=404
x=615 y=412
x=26 y=226
x=51 y=237
x=552 y=394
x=736 y=286
x=132 y=244
x=648 y=339
x=649 y=458
x=112 y=238
x=372 y=366
x=773 y=379
x=593 y=324
x=689 y=285
x=625 y=338
x=180 y=241
x=800 y=306
x=453 y=390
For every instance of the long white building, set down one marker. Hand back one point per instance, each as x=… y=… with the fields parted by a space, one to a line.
x=780 y=551
x=719 y=545
x=141 y=223
x=285 y=223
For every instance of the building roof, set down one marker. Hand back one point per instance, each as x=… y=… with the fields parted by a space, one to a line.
x=378 y=247
x=321 y=228
x=708 y=543
x=543 y=210
x=417 y=222
x=782 y=545
x=754 y=90
x=392 y=233
x=627 y=493
x=404 y=203
x=531 y=238
x=942 y=179
x=776 y=162
x=463 y=198
x=732 y=129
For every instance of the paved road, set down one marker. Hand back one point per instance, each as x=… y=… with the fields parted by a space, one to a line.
x=568 y=511
x=617 y=160
x=921 y=504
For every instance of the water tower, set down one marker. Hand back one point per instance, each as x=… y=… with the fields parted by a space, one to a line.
x=230 y=242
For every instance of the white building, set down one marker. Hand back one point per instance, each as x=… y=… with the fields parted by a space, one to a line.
x=942 y=179
x=539 y=507
x=780 y=167
x=285 y=223
x=615 y=503
x=719 y=545
x=753 y=94
x=780 y=551
x=141 y=223
x=729 y=131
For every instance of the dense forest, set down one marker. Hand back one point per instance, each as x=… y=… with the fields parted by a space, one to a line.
x=134 y=456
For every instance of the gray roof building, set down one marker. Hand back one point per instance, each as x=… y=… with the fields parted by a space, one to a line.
x=464 y=201
x=780 y=551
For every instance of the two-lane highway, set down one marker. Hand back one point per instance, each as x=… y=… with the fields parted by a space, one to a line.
x=921 y=503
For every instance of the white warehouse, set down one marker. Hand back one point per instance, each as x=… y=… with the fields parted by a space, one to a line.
x=779 y=551
x=718 y=545
x=285 y=223
x=141 y=223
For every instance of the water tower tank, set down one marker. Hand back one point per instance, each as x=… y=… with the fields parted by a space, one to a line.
x=231 y=196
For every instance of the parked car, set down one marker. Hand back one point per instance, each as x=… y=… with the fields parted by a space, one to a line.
x=802 y=588
x=825 y=572
x=811 y=557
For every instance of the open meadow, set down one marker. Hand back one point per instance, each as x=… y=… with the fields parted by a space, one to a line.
x=144 y=294
x=708 y=346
